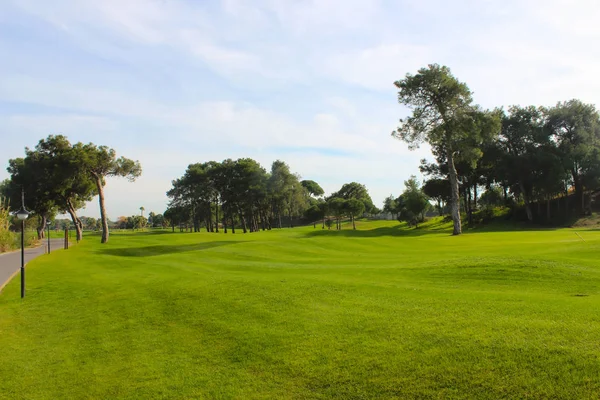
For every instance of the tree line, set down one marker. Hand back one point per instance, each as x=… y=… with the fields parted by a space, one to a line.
x=524 y=155
x=59 y=178
x=242 y=194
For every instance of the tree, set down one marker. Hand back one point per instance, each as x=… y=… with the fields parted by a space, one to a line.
x=313 y=214
x=354 y=207
x=492 y=197
x=53 y=179
x=439 y=191
x=324 y=207
x=101 y=162
x=354 y=190
x=413 y=203
x=575 y=127
x=312 y=188
x=389 y=205
x=338 y=206
x=30 y=175
x=521 y=136
x=280 y=183
x=444 y=117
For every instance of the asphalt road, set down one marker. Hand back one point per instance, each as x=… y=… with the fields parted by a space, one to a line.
x=11 y=262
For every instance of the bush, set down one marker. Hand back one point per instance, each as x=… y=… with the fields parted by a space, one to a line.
x=7 y=238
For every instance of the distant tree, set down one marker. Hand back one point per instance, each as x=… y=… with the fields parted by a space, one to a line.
x=337 y=205
x=389 y=205
x=313 y=214
x=354 y=208
x=413 y=203
x=492 y=197
x=439 y=191
x=121 y=222
x=357 y=191
x=324 y=208
x=313 y=188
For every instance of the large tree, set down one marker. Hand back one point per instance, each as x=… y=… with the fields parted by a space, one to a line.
x=443 y=116
x=575 y=127
x=101 y=162
x=54 y=182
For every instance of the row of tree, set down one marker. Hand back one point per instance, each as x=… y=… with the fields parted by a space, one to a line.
x=528 y=154
x=59 y=178
x=241 y=193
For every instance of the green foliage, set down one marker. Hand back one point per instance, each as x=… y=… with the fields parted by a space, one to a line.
x=313 y=188
x=439 y=191
x=443 y=116
x=7 y=238
x=354 y=190
x=239 y=193
x=390 y=205
x=492 y=197
x=412 y=204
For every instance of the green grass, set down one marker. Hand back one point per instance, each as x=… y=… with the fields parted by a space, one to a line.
x=382 y=312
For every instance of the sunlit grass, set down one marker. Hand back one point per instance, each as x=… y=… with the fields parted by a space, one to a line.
x=381 y=312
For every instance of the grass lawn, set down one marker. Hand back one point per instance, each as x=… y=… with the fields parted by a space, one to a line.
x=381 y=312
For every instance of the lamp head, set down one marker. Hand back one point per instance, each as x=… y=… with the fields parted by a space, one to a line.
x=22 y=214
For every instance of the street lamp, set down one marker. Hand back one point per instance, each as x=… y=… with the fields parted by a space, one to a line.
x=48 y=223
x=22 y=215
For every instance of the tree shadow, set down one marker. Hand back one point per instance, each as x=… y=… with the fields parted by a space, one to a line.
x=431 y=228
x=158 y=250
x=399 y=230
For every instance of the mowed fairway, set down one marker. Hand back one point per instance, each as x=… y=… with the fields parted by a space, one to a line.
x=382 y=312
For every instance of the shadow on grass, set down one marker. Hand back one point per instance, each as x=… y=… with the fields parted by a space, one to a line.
x=158 y=250
x=400 y=230
x=432 y=227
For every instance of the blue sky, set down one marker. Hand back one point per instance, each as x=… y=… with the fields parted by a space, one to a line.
x=171 y=82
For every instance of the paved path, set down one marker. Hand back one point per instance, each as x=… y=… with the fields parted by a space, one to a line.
x=11 y=262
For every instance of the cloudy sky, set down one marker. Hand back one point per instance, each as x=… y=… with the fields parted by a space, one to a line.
x=310 y=82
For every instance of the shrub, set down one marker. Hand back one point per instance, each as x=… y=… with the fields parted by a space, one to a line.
x=7 y=238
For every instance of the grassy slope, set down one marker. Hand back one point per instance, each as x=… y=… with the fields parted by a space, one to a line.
x=382 y=312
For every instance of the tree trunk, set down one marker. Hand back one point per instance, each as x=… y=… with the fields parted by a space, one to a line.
x=475 y=197
x=566 y=203
x=353 y=223
x=548 y=208
x=279 y=218
x=526 y=200
x=578 y=190
x=232 y=224
x=470 y=208
x=75 y=219
x=103 y=216
x=41 y=229
x=217 y=217
x=244 y=226
x=455 y=200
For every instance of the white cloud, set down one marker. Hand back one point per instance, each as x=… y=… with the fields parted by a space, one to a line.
x=309 y=82
x=377 y=67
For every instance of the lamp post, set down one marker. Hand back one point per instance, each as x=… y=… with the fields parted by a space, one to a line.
x=48 y=223
x=22 y=215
